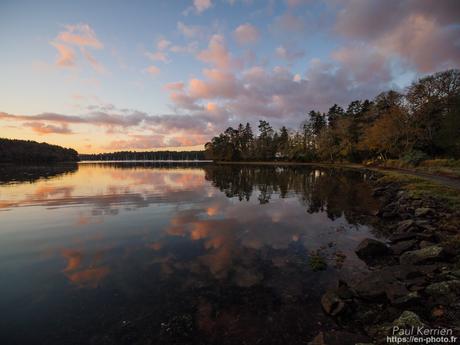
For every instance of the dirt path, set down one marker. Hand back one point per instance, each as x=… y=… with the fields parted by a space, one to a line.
x=444 y=180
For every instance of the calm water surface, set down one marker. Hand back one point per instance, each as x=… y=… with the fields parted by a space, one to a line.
x=200 y=254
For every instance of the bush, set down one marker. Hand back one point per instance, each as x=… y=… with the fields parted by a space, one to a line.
x=415 y=157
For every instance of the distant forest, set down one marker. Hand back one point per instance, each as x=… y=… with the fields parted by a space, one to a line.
x=26 y=151
x=146 y=155
x=422 y=122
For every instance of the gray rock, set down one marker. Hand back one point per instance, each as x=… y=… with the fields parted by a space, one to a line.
x=428 y=254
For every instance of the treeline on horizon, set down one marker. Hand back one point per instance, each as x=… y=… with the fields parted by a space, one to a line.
x=27 y=151
x=145 y=155
x=422 y=122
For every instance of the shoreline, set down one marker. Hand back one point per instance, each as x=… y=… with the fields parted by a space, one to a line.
x=446 y=181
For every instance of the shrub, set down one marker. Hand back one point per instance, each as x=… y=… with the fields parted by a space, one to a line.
x=415 y=157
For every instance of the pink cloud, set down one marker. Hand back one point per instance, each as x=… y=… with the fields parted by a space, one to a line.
x=289 y=23
x=81 y=35
x=175 y=86
x=189 y=31
x=163 y=44
x=423 y=34
x=66 y=57
x=289 y=53
x=42 y=128
x=152 y=70
x=217 y=54
x=202 y=5
x=158 y=56
x=246 y=34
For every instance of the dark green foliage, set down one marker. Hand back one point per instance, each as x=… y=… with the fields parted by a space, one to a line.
x=415 y=157
x=25 y=151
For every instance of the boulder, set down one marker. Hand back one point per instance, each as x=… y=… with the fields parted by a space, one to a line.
x=404 y=236
x=398 y=294
x=405 y=225
x=372 y=286
x=332 y=303
x=445 y=292
x=424 y=212
x=403 y=246
x=424 y=255
x=370 y=249
x=408 y=319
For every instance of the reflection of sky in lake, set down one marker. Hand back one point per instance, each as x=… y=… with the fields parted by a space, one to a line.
x=107 y=244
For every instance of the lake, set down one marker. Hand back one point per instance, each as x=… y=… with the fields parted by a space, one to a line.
x=148 y=253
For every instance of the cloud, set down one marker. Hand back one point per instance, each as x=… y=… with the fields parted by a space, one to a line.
x=42 y=128
x=158 y=56
x=367 y=64
x=189 y=31
x=66 y=57
x=175 y=86
x=289 y=23
x=290 y=54
x=152 y=70
x=423 y=34
x=95 y=64
x=246 y=34
x=202 y=5
x=81 y=36
x=217 y=54
x=163 y=44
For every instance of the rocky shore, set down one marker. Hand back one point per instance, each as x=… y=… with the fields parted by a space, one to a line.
x=414 y=273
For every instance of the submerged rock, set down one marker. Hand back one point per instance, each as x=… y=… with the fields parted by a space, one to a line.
x=332 y=303
x=370 y=249
x=339 y=338
x=427 y=254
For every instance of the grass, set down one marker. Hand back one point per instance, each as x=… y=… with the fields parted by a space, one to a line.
x=419 y=187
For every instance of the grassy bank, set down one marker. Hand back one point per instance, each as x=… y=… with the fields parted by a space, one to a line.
x=442 y=167
x=420 y=187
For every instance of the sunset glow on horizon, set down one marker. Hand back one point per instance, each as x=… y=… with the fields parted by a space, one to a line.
x=156 y=75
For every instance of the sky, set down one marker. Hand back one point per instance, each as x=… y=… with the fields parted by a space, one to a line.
x=102 y=76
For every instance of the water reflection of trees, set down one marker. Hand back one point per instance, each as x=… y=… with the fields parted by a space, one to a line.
x=149 y=164
x=30 y=173
x=334 y=191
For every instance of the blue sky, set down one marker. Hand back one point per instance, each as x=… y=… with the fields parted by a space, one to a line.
x=151 y=74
